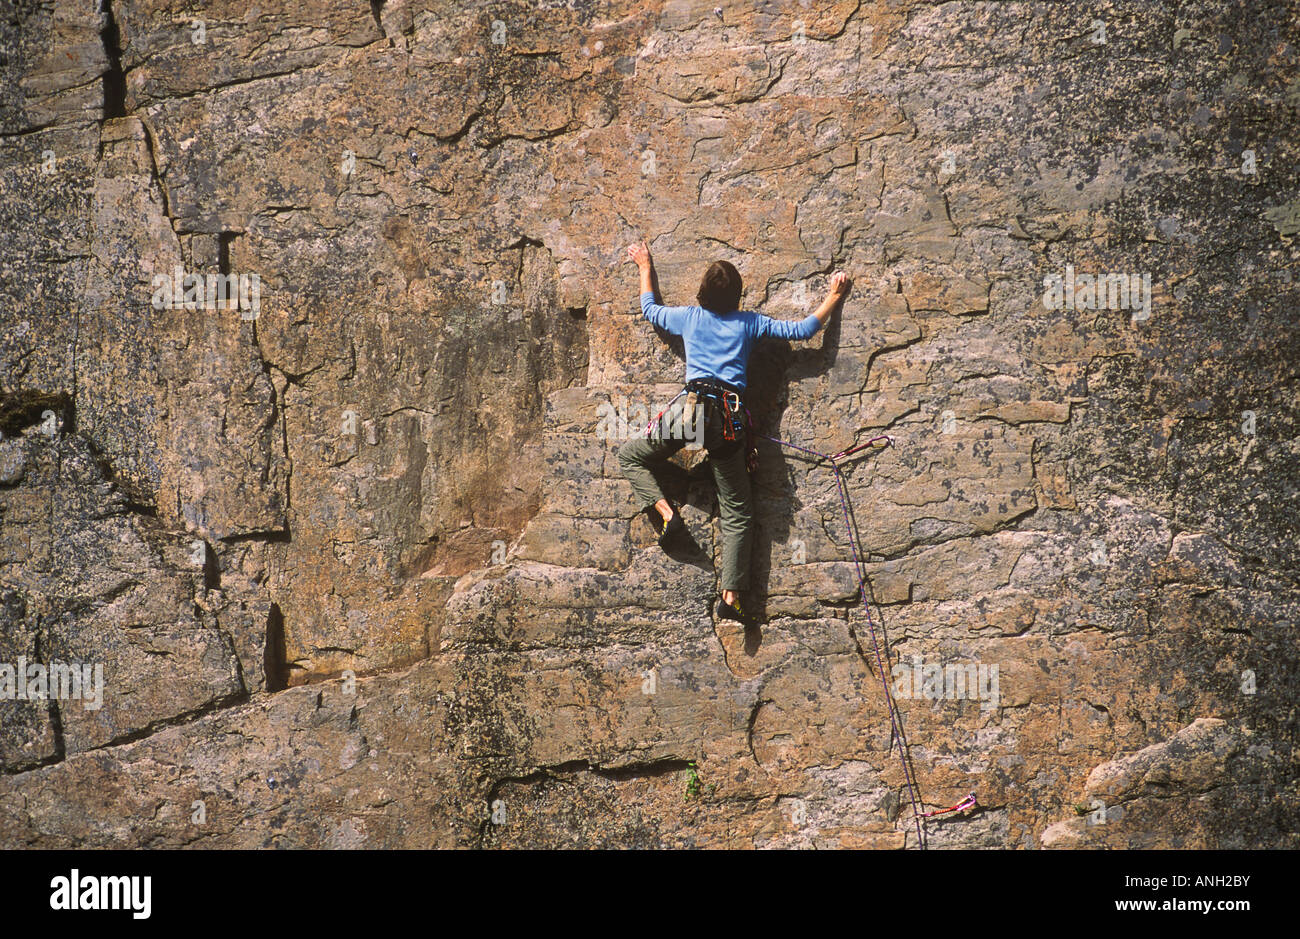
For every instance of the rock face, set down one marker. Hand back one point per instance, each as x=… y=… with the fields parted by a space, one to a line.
x=356 y=560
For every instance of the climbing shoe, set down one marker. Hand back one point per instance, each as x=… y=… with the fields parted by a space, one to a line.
x=670 y=532
x=733 y=611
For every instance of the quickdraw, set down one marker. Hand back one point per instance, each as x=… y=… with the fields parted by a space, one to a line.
x=962 y=806
x=730 y=414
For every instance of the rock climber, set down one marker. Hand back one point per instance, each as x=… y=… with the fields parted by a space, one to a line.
x=718 y=336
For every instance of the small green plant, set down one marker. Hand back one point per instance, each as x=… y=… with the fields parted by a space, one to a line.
x=692 y=781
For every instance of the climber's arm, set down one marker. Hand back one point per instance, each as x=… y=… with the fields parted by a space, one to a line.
x=840 y=285
x=670 y=318
x=639 y=253
x=807 y=328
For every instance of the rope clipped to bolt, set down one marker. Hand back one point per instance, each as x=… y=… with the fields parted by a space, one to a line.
x=894 y=719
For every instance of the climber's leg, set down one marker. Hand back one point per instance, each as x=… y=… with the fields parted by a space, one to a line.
x=736 y=516
x=639 y=456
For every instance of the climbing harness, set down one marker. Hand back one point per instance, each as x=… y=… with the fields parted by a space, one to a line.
x=726 y=398
x=880 y=656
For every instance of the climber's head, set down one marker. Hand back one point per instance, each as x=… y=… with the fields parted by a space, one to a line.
x=720 y=288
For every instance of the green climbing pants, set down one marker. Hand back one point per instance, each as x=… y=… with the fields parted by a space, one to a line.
x=641 y=455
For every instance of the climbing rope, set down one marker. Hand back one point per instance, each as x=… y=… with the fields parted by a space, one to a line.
x=894 y=719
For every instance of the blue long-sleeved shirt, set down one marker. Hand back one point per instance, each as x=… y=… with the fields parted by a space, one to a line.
x=718 y=344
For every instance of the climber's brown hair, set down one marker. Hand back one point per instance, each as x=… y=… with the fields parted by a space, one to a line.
x=720 y=288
